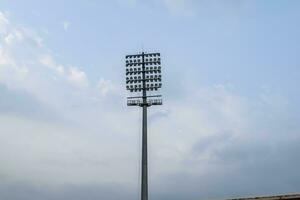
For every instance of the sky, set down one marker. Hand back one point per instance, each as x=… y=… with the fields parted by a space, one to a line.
x=229 y=126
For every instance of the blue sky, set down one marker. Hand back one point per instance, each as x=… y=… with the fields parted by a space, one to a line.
x=229 y=124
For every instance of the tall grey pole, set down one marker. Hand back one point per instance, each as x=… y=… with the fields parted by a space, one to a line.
x=144 y=184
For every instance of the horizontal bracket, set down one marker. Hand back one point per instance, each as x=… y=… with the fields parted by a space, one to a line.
x=150 y=96
x=139 y=102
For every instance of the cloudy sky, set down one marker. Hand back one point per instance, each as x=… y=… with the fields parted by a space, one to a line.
x=229 y=126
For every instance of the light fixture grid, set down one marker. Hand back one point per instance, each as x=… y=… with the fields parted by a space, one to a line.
x=152 y=72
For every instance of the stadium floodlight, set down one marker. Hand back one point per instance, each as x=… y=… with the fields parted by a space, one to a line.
x=143 y=75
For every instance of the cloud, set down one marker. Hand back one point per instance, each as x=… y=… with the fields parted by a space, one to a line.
x=3 y=23
x=14 y=36
x=26 y=63
x=60 y=143
x=48 y=61
x=15 y=191
x=19 y=102
x=217 y=8
x=77 y=77
x=128 y=2
x=106 y=87
x=66 y=25
x=226 y=137
x=175 y=5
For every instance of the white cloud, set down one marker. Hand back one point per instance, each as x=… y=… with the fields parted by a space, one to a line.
x=22 y=57
x=3 y=22
x=4 y=58
x=175 y=4
x=106 y=87
x=52 y=154
x=14 y=36
x=128 y=2
x=89 y=150
x=48 y=61
x=66 y=25
x=184 y=7
x=12 y=74
x=77 y=77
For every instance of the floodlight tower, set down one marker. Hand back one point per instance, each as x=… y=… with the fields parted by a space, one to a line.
x=143 y=75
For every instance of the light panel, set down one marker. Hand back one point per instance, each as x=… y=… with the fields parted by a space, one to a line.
x=139 y=65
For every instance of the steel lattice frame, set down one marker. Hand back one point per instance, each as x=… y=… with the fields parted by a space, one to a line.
x=143 y=74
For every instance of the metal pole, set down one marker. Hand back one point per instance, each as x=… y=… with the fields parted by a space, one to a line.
x=133 y=84
x=144 y=184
